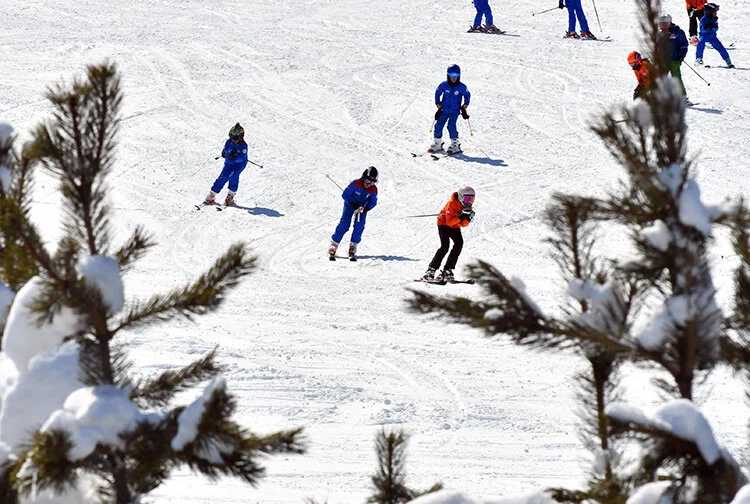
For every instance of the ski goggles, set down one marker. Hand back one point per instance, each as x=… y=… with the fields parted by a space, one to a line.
x=468 y=200
x=370 y=181
x=454 y=75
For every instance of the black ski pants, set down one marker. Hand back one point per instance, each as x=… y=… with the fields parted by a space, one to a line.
x=694 y=19
x=446 y=235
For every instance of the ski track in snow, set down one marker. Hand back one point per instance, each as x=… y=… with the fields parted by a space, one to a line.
x=322 y=89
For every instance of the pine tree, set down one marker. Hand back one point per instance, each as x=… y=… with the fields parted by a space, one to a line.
x=77 y=147
x=687 y=336
x=390 y=480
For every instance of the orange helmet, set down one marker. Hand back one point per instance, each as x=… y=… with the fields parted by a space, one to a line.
x=634 y=58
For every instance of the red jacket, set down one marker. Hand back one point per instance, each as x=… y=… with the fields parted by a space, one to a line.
x=646 y=73
x=449 y=215
x=698 y=4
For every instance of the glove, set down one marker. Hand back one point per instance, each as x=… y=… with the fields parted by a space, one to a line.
x=223 y=154
x=464 y=114
x=467 y=214
x=691 y=12
x=355 y=206
x=560 y=5
x=232 y=156
x=438 y=113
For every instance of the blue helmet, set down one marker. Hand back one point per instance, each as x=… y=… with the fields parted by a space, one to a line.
x=455 y=70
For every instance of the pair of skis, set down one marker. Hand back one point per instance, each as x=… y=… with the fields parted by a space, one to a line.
x=443 y=281
x=436 y=155
x=219 y=207
x=333 y=257
x=483 y=29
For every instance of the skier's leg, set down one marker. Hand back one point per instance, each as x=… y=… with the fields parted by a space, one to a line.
x=452 y=130
x=571 y=16
x=675 y=71
x=359 y=226
x=581 y=16
x=488 y=16
x=234 y=178
x=222 y=179
x=458 y=244
x=700 y=48
x=344 y=223
x=720 y=47
x=439 y=124
x=444 y=245
x=693 y=28
x=477 y=19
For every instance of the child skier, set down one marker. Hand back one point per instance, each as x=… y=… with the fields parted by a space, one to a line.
x=695 y=13
x=449 y=96
x=645 y=72
x=235 y=160
x=360 y=197
x=709 y=27
x=457 y=213
x=575 y=9
x=678 y=47
x=483 y=9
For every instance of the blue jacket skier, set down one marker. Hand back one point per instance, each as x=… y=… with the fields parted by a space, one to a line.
x=360 y=196
x=451 y=98
x=575 y=9
x=483 y=9
x=678 y=47
x=235 y=160
x=709 y=27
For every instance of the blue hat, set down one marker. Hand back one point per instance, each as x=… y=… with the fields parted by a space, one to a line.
x=455 y=70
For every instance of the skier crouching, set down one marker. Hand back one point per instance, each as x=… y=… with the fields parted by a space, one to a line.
x=360 y=196
x=457 y=213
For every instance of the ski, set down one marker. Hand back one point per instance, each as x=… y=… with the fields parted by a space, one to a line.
x=445 y=155
x=603 y=39
x=485 y=30
x=218 y=207
x=332 y=257
x=719 y=66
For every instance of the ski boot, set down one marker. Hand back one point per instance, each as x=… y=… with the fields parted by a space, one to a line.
x=352 y=251
x=491 y=28
x=230 y=198
x=437 y=145
x=429 y=275
x=475 y=29
x=729 y=63
x=571 y=35
x=447 y=275
x=455 y=147
x=698 y=61
x=587 y=35
x=210 y=199
x=332 y=250
x=694 y=40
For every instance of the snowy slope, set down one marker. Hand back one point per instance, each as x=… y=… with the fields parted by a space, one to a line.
x=326 y=87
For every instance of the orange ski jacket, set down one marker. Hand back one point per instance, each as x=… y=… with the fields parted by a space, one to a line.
x=449 y=215
x=646 y=73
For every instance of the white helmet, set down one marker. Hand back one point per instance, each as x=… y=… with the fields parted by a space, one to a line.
x=464 y=193
x=664 y=18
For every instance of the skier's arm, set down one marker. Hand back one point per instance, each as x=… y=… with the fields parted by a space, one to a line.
x=438 y=95
x=467 y=97
x=372 y=202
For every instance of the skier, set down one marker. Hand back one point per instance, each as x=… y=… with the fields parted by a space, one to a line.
x=457 y=213
x=576 y=9
x=483 y=9
x=449 y=96
x=695 y=13
x=360 y=196
x=709 y=27
x=678 y=46
x=235 y=160
x=645 y=72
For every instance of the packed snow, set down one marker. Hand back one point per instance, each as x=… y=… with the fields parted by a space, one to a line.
x=325 y=90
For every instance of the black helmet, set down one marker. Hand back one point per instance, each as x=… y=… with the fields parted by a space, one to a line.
x=370 y=174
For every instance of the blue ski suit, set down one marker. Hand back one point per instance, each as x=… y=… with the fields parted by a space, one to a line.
x=483 y=9
x=709 y=27
x=450 y=97
x=355 y=195
x=575 y=9
x=235 y=160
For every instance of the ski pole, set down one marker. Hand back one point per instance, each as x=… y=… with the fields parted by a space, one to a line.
x=471 y=133
x=548 y=10
x=597 y=16
x=329 y=178
x=251 y=162
x=696 y=73
x=432 y=126
x=423 y=215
